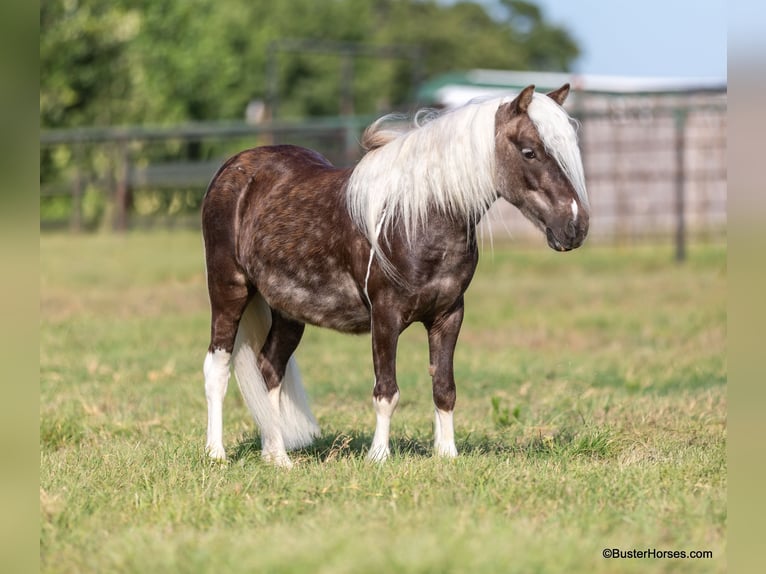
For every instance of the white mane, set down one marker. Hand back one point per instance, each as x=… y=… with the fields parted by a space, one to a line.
x=446 y=163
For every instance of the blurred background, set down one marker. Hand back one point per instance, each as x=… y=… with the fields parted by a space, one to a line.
x=141 y=101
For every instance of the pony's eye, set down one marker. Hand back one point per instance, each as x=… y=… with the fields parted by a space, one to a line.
x=528 y=153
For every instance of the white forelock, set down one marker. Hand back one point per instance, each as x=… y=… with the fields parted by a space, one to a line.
x=559 y=137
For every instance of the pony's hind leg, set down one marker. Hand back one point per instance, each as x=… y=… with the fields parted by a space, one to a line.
x=442 y=338
x=284 y=337
x=281 y=342
x=227 y=301
x=270 y=381
x=216 y=370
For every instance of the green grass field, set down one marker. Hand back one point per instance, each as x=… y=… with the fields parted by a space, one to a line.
x=591 y=414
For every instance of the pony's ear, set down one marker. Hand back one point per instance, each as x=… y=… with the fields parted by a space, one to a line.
x=559 y=95
x=517 y=106
x=522 y=101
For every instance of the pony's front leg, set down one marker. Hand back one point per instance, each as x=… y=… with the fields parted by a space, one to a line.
x=442 y=338
x=385 y=394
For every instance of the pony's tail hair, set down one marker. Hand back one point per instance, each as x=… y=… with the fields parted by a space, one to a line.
x=294 y=421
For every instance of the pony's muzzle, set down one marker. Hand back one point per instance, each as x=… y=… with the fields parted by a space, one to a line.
x=570 y=235
x=553 y=242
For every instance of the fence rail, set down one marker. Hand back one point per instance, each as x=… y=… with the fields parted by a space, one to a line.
x=652 y=169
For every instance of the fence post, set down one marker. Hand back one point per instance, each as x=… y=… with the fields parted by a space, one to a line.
x=75 y=221
x=350 y=140
x=122 y=189
x=680 y=116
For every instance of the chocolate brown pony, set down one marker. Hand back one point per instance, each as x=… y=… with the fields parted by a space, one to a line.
x=290 y=239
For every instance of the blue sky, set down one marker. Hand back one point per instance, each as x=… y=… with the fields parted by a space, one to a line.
x=684 y=38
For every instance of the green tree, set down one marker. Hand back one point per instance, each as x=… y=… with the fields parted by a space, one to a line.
x=85 y=53
x=544 y=46
x=109 y=62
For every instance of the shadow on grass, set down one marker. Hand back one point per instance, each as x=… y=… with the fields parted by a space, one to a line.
x=333 y=446
x=588 y=441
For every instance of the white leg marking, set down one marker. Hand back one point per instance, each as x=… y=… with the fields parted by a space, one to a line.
x=574 y=209
x=384 y=410
x=216 y=370
x=444 y=434
x=272 y=441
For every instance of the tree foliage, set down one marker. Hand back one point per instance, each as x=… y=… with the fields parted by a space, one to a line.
x=111 y=62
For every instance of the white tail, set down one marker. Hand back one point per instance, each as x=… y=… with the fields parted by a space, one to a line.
x=283 y=415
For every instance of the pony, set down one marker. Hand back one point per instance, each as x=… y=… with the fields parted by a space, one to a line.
x=292 y=240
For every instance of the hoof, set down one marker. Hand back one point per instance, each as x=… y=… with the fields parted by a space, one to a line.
x=445 y=450
x=378 y=454
x=278 y=459
x=216 y=453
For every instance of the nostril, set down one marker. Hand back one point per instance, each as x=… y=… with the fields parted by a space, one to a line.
x=571 y=230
